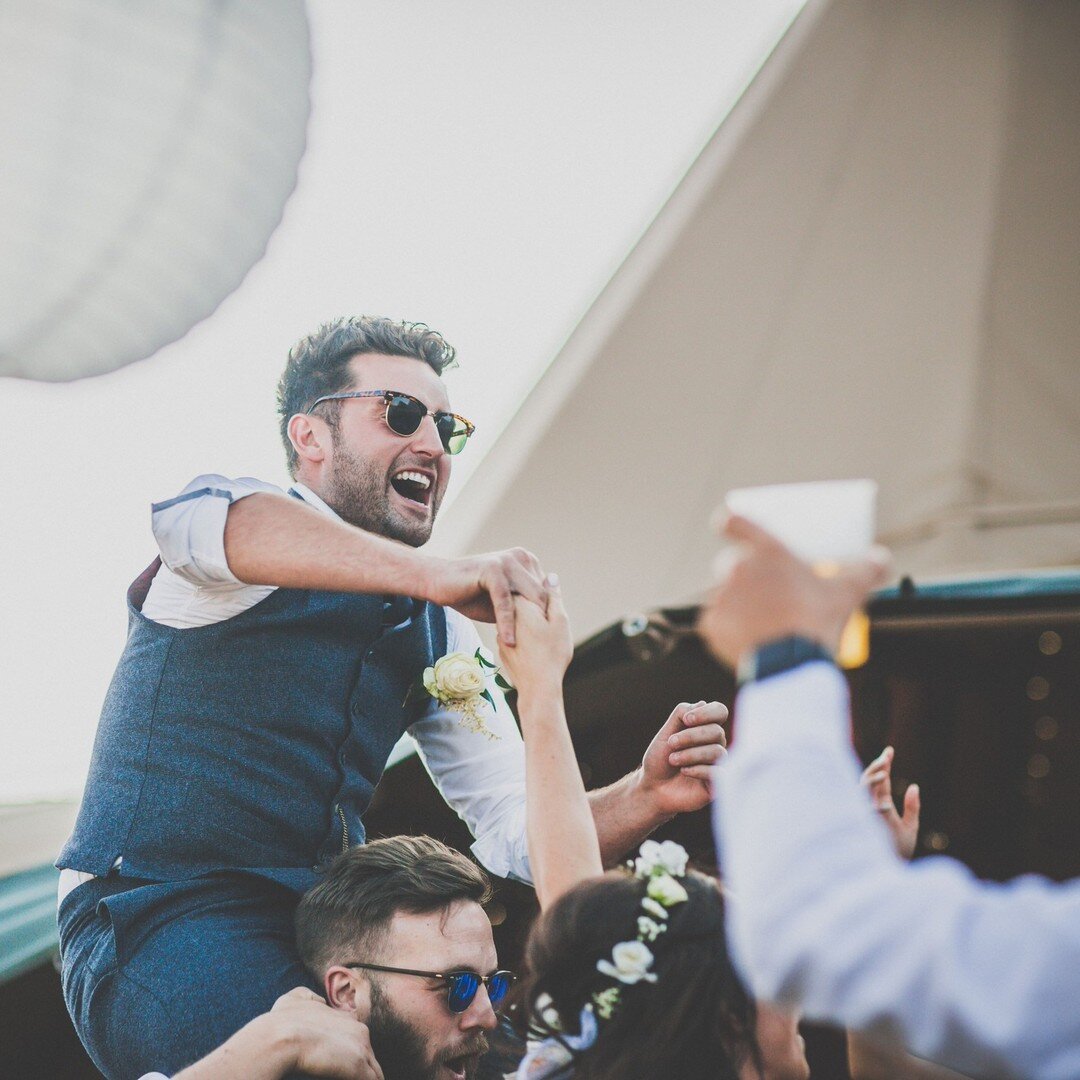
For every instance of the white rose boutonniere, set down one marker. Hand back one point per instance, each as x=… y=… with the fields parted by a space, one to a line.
x=630 y=963
x=459 y=682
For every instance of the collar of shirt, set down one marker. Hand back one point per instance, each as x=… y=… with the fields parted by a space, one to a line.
x=312 y=499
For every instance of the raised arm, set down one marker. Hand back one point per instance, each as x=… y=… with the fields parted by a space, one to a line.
x=563 y=847
x=982 y=978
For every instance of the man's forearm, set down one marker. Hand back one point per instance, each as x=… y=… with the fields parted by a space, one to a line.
x=276 y=540
x=625 y=814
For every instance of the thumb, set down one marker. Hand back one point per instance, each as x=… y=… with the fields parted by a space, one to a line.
x=744 y=531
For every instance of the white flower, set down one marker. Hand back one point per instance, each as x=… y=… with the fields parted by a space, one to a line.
x=668 y=858
x=458 y=682
x=648 y=857
x=673 y=858
x=632 y=960
x=455 y=677
x=666 y=890
x=653 y=908
x=648 y=929
x=545 y=1008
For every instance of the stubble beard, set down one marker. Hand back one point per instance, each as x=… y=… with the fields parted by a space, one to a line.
x=358 y=492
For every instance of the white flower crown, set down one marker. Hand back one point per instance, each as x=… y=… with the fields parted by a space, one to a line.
x=631 y=961
x=659 y=865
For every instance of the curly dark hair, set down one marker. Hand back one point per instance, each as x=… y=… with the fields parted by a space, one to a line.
x=695 y=1022
x=319 y=363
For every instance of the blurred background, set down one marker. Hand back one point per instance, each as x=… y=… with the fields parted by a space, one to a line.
x=680 y=247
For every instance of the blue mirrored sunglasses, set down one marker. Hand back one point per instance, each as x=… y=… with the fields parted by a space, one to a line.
x=461 y=986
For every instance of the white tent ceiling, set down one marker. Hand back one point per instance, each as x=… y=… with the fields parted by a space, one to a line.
x=872 y=269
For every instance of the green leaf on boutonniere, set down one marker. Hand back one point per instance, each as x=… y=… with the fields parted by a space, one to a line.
x=486 y=695
x=501 y=683
x=484 y=661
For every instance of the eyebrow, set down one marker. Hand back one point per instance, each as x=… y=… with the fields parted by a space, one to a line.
x=469 y=967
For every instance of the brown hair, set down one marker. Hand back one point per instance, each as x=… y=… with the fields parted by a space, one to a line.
x=366 y=886
x=319 y=363
x=695 y=1022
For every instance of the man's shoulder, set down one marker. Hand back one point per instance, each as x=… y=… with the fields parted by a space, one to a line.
x=216 y=486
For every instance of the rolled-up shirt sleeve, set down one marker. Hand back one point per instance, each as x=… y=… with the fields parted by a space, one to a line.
x=481 y=778
x=823 y=915
x=190 y=528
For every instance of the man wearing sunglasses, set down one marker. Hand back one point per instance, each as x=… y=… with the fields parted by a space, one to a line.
x=397 y=936
x=271 y=648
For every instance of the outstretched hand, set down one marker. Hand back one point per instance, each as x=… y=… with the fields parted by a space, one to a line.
x=877 y=779
x=544 y=645
x=678 y=763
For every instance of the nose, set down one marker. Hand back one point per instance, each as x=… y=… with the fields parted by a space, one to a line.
x=480 y=1013
x=425 y=440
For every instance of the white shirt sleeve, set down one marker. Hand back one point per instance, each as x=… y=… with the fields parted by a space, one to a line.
x=195 y=586
x=981 y=977
x=190 y=528
x=482 y=779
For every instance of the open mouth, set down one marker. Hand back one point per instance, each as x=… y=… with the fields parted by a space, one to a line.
x=459 y=1068
x=413 y=485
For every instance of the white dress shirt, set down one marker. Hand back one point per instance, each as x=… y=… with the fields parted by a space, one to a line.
x=482 y=779
x=984 y=978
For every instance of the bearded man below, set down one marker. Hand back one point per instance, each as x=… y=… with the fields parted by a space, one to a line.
x=271 y=646
x=397 y=936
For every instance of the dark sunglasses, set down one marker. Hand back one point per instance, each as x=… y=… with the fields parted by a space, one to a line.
x=404 y=414
x=461 y=986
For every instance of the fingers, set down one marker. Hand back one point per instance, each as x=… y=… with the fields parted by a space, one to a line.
x=706 y=712
x=502 y=605
x=880 y=769
x=912 y=805
x=298 y=993
x=699 y=772
x=705 y=735
x=743 y=531
x=707 y=755
x=699 y=741
x=675 y=720
x=519 y=574
x=555 y=608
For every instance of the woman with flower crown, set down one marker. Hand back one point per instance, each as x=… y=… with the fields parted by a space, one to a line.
x=629 y=975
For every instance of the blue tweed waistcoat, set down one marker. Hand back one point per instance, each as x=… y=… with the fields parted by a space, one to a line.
x=250 y=744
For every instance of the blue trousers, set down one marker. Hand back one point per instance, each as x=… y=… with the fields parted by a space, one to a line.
x=156 y=975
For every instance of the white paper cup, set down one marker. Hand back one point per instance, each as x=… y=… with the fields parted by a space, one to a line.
x=824 y=521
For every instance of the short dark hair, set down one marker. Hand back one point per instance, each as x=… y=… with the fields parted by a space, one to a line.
x=695 y=1022
x=366 y=886
x=319 y=363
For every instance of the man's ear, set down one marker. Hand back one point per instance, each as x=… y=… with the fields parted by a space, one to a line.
x=348 y=991
x=310 y=437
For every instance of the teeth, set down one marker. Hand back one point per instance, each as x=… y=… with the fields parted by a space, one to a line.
x=415 y=477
